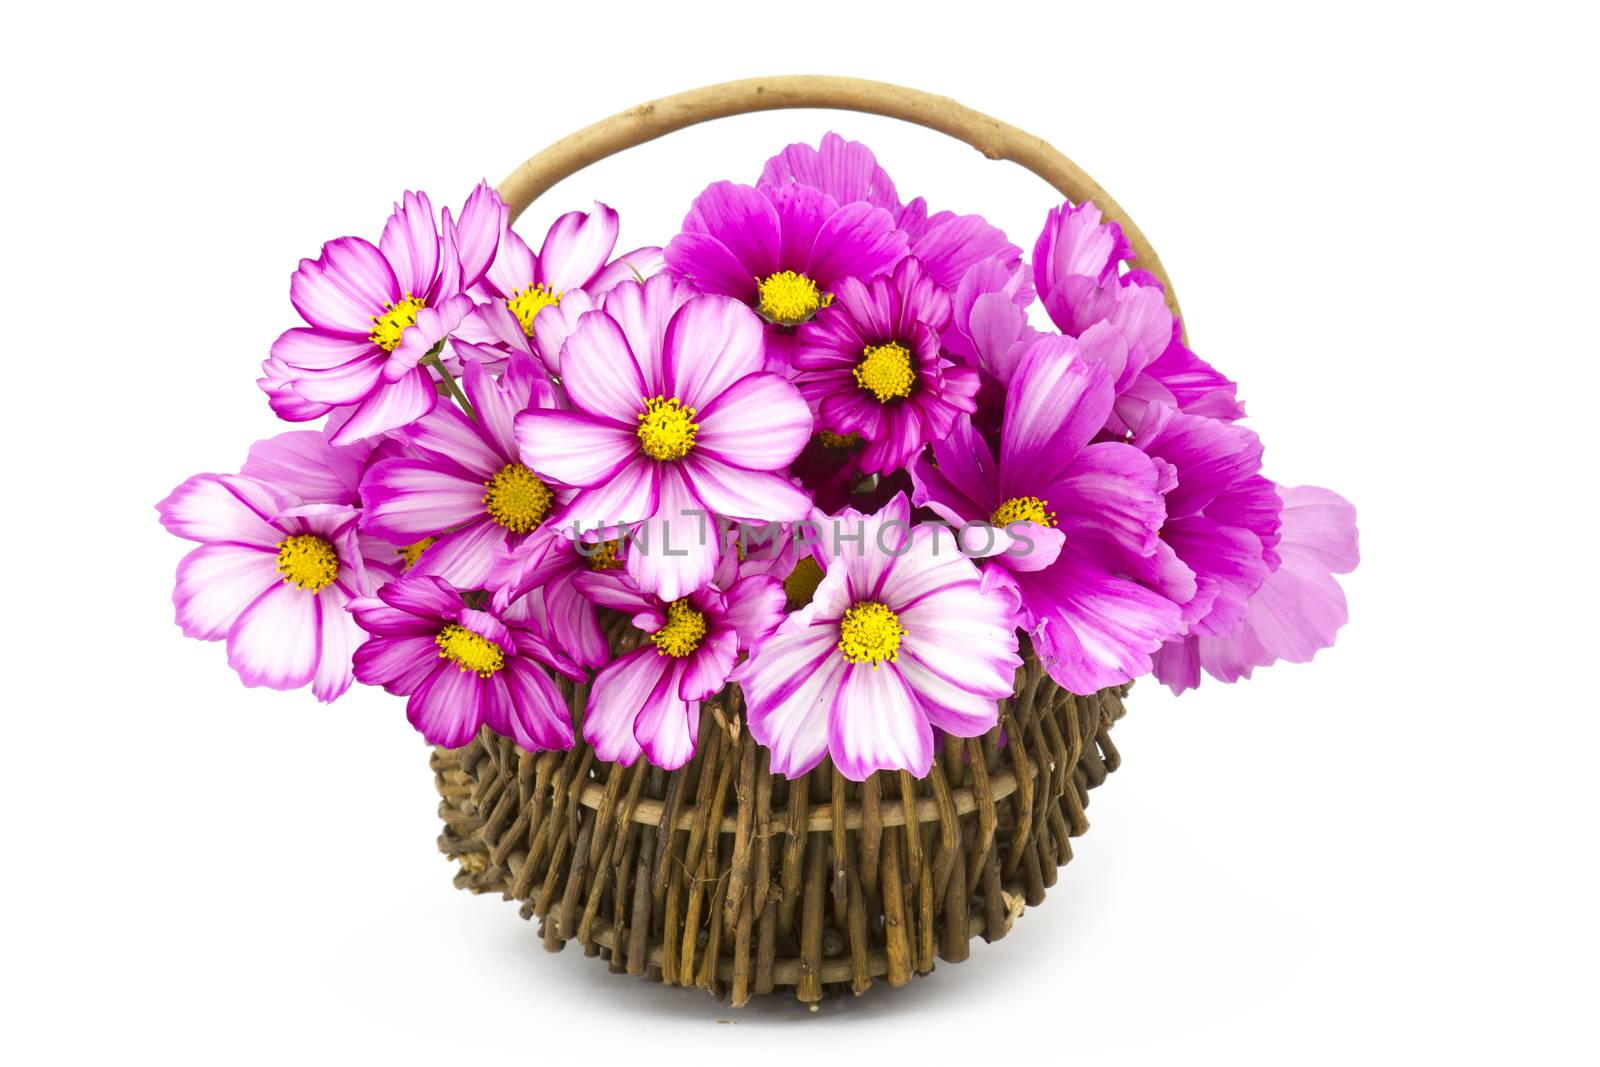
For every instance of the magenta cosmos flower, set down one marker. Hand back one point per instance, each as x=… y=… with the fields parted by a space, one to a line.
x=572 y=269
x=373 y=312
x=949 y=245
x=899 y=638
x=674 y=424
x=1076 y=264
x=870 y=365
x=649 y=700
x=466 y=495
x=1070 y=519
x=272 y=577
x=781 y=250
x=462 y=667
x=1222 y=516
x=1298 y=608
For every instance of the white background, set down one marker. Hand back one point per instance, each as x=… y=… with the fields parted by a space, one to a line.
x=1382 y=223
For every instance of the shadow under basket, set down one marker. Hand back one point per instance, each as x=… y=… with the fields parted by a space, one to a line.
x=725 y=876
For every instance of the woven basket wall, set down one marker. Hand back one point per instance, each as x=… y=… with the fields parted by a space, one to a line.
x=724 y=876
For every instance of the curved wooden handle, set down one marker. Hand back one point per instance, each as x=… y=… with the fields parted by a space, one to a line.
x=995 y=139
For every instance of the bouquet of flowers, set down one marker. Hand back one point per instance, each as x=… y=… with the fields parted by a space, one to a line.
x=820 y=445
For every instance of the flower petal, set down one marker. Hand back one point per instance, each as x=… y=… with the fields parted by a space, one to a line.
x=447 y=706
x=858 y=241
x=599 y=370
x=877 y=724
x=666 y=724
x=790 y=688
x=340 y=638
x=343 y=290
x=1055 y=405
x=398 y=664
x=405 y=500
x=410 y=243
x=539 y=718
x=619 y=692
x=216 y=582
x=575 y=449
x=1095 y=629
x=759 y=423
x=643 y=311
x=675 y=550
x=744 y=494
x=390 y=407
x=276 y=641
x=576 y=247
x=224 y=507
x=711 y=343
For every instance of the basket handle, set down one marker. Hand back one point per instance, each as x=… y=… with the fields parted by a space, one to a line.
x=995 y=139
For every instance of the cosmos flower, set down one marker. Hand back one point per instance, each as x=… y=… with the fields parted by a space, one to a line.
x=538 y=575
x=898 y=639
x=870 y=366
x=467 y=489
x=674 y=424
x=1222 y=516
x=272 y=577
x=462 y=667
x=949 y=245
x=781 y=250
x=1297 y=609
x=373 y=312
x=1063 y=520
x=570 y=271
x=1076 y=265
x=649 y=699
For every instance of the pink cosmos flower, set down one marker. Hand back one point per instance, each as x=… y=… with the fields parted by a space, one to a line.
x=649 y=700
x=673 y=423
x=1070 y=519
x=569 y=273
x=899 y=637
x=467 y=490
x=870 y=365
x=1076 y=264
x=462 y=667
x=1297 y=609
x=539 y=575
x=375 y=310
x=273 y=573
x=781 y=250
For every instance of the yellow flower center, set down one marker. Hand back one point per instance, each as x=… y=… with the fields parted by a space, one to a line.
x=308 y=561
x=605 y=557
x=517 y=499
x=666 y=428
x=388 y=328
x=788 y=298
x=683 y=632
x=801 y=585
x=526 y=303
x=469 y=651
x=410 y=553
x=885 y=371
x=1023 y=509
x=870 y=633
x=830 y=439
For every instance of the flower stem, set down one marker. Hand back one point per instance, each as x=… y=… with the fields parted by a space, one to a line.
x=450 y=386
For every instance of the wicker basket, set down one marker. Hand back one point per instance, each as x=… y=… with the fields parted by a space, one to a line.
x=721 y=874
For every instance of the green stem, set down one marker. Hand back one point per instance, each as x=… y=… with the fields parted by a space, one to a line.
x=450 y=386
